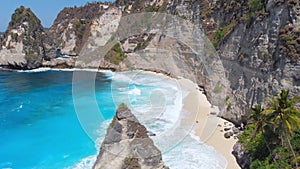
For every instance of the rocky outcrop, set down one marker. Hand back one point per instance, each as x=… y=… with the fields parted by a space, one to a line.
x=73 y=26
x=127 y=145
x=241 y=157
x=60 y=63
x=24 y=44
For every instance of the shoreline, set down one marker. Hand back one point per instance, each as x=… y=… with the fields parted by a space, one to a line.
x=41 y=69
x=44 y=69
x=206 y=125
x=203 y=119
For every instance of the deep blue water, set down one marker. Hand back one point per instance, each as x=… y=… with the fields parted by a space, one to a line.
x=38 y=124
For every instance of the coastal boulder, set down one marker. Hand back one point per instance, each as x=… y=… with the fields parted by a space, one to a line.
x=228 y=134
x=127 y=145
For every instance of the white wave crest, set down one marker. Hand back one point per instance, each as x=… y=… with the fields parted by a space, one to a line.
x=135 y=91
x=44 y=69
x=85 y=163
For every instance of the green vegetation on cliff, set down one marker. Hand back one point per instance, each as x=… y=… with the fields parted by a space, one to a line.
x=141 y=6
x=256 y=5
x=273 y=135
x=221 y=18
x=30 y=32
x=115 y=55
x=290 y=41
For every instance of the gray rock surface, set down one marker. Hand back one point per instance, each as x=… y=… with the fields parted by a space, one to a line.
x=241 y=157
x=60 y=63
x=12 y=58
x=228 y=134
x=253 y=49
x=127 y=145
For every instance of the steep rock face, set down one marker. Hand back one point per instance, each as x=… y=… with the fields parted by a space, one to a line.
x=72 y=27
x=258 y=43
x=174 y=58
x=258 y=65
x=24 y=44
x=102 y=31
x=127 y=145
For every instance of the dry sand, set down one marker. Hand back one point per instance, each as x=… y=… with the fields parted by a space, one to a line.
x=207 y=126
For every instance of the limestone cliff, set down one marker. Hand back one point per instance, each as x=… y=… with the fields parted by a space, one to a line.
x=72 y=27
x=127 y=145
x=257 y=41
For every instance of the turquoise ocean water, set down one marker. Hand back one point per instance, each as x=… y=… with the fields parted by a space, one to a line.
x=39 y=125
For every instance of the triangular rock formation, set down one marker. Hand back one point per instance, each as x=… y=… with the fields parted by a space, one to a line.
x=127 y=145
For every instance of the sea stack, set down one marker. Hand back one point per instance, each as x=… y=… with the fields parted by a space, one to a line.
x=25 y=44
x=127 y=145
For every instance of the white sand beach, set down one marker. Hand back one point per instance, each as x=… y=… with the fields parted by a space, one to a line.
x=207 y=126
